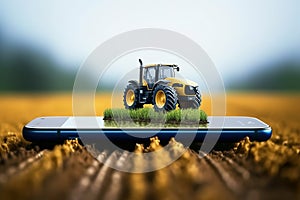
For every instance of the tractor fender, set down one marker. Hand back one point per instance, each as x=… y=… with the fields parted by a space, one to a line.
x=134 y=82
x=161 y=82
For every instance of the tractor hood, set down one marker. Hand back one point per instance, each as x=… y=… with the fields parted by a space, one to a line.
x=181 y=81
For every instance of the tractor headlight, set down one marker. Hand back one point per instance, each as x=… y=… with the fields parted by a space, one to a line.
x=189 y=90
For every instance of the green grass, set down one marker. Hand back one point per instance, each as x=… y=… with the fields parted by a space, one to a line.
x=148 y=115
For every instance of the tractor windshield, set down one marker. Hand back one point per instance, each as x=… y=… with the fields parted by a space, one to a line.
x=165 y=72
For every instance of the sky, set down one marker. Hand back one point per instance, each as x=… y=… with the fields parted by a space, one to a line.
x=239 y=36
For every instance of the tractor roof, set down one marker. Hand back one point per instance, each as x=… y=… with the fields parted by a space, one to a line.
x=154 y=65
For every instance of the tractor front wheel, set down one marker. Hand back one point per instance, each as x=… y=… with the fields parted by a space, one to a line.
x=193 y=104
x=164 y=98
x=131 y=98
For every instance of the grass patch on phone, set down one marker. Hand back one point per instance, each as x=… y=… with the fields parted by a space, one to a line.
x=146 y=116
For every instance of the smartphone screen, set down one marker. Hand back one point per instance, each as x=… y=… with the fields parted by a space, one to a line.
x=230 y=129
x=227 y=122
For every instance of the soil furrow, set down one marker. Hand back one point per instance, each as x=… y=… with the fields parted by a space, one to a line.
x=232 y=184
x=115 y=187
x=206 y=178
x=236 y=167
x=88 y=177
x=13 y=170
x=163 y=179
x=138 y=184
x=98 y=187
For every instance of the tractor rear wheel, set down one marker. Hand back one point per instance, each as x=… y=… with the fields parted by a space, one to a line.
x=131 y=98
x=164 y=98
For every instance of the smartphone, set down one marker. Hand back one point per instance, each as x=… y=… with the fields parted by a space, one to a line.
x=58 y=129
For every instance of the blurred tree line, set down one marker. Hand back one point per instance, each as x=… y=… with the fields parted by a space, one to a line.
x=282 y=76
x=24 y=68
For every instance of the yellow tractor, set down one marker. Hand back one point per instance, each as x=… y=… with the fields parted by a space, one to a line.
x=158 y=86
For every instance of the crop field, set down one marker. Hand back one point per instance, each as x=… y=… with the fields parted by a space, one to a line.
x=244 y=170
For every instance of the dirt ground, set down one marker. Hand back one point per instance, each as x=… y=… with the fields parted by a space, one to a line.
x=248 y=170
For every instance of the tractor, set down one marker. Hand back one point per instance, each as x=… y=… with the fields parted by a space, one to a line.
x=158 y=86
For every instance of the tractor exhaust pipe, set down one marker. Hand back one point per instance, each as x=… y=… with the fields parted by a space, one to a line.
x=141 y=73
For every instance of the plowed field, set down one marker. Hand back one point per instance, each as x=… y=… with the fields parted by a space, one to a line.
x=245 y=170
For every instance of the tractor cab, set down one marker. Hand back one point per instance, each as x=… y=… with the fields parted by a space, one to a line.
x=153 y=73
